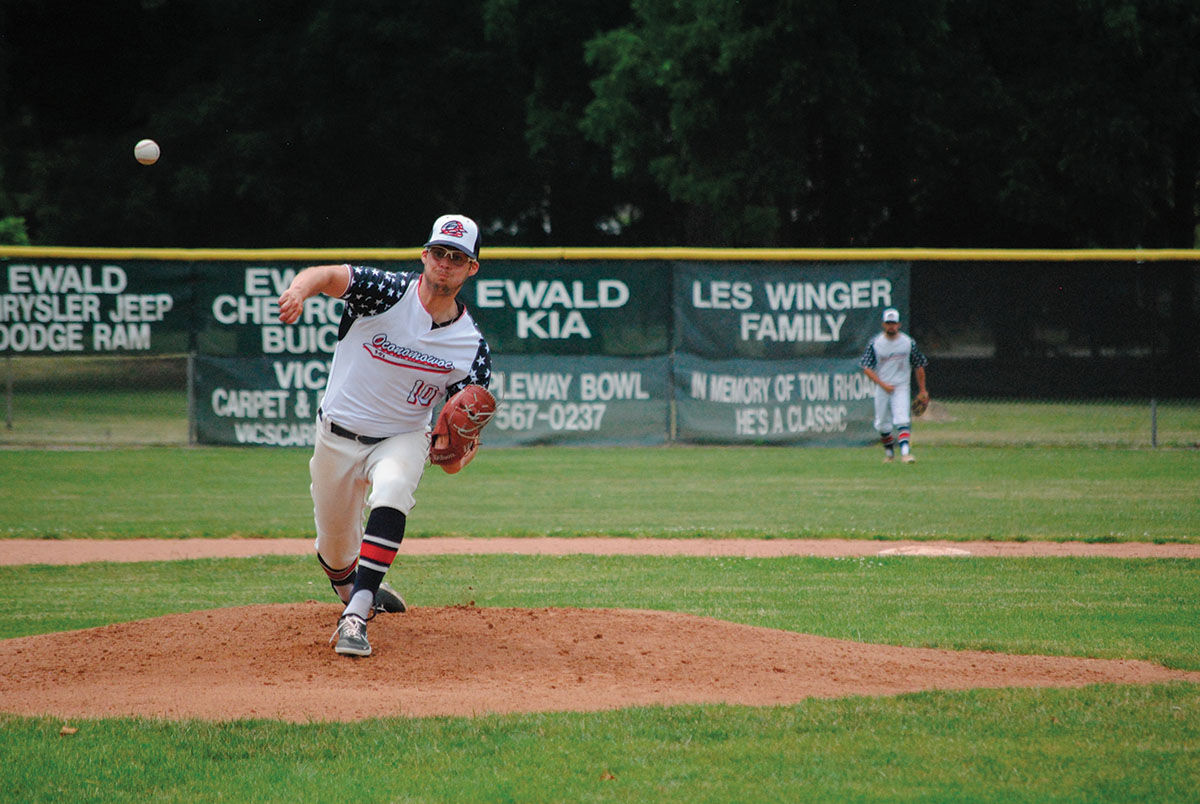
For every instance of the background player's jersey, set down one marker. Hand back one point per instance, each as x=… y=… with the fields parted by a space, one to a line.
x=393 y=365
x=893 y=359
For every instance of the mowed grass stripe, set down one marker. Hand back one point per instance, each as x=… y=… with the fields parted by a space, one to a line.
x=950 y=493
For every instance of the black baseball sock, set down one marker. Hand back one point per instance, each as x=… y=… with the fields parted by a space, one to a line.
x=384 y=532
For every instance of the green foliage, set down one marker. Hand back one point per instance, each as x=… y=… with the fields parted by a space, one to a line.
x=297 y=124
x=852 y=123
x=653 y=122
x=12 y=232
x=580 y=202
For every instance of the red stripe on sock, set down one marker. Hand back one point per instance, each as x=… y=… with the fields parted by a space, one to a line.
x=337 y=576
x=374 y=552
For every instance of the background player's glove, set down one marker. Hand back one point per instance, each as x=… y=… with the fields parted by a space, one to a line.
x=919 y=405
x=456 y=434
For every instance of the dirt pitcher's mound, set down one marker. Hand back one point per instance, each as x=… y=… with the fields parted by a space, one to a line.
x=273 y=661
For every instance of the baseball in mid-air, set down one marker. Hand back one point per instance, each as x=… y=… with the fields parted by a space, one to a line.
x=146 y=152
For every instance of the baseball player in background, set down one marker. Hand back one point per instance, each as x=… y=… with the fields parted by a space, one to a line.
x=890 y=360
x=405 y=343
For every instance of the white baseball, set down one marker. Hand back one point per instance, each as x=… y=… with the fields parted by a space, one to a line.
x=146 y=152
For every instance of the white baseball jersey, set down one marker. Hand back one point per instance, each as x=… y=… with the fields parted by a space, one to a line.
x=393 y=364
x=893 y=358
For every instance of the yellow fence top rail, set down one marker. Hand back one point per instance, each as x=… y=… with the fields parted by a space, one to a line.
x=317 y=255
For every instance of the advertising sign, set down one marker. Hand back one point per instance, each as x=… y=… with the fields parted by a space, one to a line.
x=593 y=400
x=584 y=351
x=101 y=307
x=604 y=307
x=258 y=401
x=784 y=310
x=817 y=401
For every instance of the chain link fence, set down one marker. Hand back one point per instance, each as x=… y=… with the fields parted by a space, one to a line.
x=129 y=401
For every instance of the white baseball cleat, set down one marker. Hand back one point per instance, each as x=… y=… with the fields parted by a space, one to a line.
x=908 y=458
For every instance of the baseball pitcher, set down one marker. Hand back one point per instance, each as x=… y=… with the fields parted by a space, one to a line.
x=405 y=344
x=891 y=359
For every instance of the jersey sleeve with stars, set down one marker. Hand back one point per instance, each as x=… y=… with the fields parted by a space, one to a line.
x=480 y=373
x=373 y=290
x=868 y=360
x=916 y=358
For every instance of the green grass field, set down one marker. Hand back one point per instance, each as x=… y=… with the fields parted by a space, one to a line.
x=951 y=493
x=1102 y=743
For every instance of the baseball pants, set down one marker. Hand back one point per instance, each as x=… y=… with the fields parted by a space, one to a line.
x=350 y=478
x=892 y=410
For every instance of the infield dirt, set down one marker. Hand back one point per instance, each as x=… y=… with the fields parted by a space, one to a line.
x=274 y=661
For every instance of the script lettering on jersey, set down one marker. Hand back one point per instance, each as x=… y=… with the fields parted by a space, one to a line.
x=381 y=348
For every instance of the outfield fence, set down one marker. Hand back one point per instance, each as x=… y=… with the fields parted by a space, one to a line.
x=622 y=347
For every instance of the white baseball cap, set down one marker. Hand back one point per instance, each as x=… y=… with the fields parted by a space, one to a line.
x=456 y=231
x=891 y=314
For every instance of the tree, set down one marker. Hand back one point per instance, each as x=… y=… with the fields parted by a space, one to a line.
x=1082 y=120
x=582 y=202
x=12 y=232
x=314 y=123
x=1047 y=123
x=762 y=119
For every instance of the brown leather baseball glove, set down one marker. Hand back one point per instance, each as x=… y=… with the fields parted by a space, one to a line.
x=456 y=434
x=919 y=406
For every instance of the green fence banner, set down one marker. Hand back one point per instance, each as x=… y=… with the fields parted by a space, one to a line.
x=618 y=352
x=817 y=401
x=522 y=307
x=592 y=400
x=784 y=310
x=238 y=314
x=260 y=401
x=100 y=307
x=272 y=401
x=608 y=307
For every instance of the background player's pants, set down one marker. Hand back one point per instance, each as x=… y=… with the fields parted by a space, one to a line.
x=349 y=477
x=894 y=409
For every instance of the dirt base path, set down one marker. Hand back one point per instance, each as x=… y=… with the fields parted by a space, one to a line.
x=274 y=661
x=79 y=551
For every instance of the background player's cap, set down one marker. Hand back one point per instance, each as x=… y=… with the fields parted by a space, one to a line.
x=891 y=314
x=456 y=231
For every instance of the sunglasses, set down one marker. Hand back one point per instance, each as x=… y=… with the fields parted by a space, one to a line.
x=453 y=256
